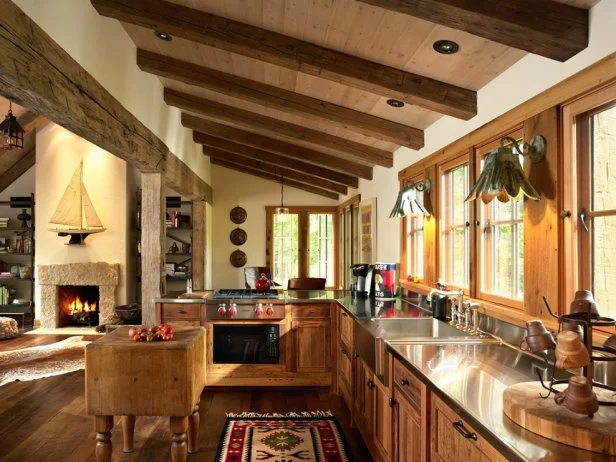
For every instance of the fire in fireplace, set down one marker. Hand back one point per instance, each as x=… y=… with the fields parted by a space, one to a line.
x=78 y=305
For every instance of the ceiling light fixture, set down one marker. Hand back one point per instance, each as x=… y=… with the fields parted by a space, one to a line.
x=446 y=47
x=407 y=203
x=163 y=36
x=282 y=211
x=395 y=103
x=502 y=175
x=11 y=132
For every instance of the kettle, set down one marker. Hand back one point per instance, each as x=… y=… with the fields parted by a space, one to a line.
x=263 y=284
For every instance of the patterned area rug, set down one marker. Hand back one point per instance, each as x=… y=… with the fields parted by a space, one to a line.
x=309 y=436
x=37 y=362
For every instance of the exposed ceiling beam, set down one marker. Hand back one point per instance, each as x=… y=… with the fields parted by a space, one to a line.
x=275 y=159
x=270 y=126
x=276 y=146
x=280 y=99
x=275 y=170
x=291 y=183
x=18 y=169
x=546 y=28
x=281 y=50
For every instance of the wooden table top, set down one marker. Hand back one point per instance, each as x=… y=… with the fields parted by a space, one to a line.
x=183 y=338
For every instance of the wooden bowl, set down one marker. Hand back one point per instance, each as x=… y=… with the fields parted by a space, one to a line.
x=129 y=313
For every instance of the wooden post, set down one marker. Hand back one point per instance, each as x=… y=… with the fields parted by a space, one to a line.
x=198 y=250
x=152 y=243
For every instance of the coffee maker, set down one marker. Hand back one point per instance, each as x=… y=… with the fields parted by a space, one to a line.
x=358 y=279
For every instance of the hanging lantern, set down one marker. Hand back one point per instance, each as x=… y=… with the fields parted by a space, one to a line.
x=11 y=132
x=282 y=210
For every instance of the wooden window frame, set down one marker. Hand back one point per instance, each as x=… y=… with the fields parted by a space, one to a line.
x=481 y=269
x=576 y=257
x=464 y=158
x=409 y=233
x=303 y=237
x=346 y=255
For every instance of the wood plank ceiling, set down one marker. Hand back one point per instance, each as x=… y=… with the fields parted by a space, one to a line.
x=299 y=88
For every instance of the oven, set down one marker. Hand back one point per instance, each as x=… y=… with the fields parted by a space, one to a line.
x=245 y=327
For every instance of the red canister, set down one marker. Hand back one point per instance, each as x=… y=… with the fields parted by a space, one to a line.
x=385 y=281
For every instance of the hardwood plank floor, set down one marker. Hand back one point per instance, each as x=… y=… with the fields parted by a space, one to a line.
x=45 y=420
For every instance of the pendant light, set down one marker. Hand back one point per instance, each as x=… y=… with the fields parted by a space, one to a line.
x=11 y=132
x=407 y=203
x=282 y=210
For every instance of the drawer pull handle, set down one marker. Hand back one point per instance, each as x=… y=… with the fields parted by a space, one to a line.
x=344 y=352
x=181 y=311
x=345 y=315
x=370 y=384
x=392 y=402
x=459 y=425
x=404 y=382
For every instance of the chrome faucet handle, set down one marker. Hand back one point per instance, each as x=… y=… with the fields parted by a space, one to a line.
x=473 y=309
x=455 y=310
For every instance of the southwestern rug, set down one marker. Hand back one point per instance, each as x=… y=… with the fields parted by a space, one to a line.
x=307 y=436
x=37 y=362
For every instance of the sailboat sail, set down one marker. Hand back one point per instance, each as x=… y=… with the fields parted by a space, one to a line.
x=75 y=212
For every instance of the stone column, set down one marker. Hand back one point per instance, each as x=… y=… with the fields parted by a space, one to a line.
x=152 y=243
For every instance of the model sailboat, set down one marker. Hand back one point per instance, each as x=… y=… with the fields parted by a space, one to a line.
x=75 y=215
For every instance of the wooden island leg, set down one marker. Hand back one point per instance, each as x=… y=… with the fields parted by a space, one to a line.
x=128 y=432
x=103 y=425
x=193 y=431
x=179 y=426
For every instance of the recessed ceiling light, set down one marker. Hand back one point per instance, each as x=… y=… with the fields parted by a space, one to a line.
x=395 y=103
x=163 y=36
x=446 y=47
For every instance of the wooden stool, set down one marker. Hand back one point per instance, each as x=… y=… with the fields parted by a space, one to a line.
x=126 y=378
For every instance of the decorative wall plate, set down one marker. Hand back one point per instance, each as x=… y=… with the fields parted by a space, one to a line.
x=238 y=236
x=238 y=258
x=238 y=215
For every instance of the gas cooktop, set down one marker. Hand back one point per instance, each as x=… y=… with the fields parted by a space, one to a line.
x=224 y=294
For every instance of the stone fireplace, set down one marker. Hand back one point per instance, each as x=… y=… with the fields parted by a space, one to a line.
x=51 y=278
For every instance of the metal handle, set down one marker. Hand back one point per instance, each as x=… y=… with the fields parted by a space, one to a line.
x=356 y=355
x=181 y=311
x=459 y=425
x=344 y=352
x=392 y=402
x=344 y=314
x=404 y=382
x=370 y=384
x=583 y=216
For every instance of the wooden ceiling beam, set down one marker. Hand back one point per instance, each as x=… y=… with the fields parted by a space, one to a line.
x=270 y=126
x=280 y=99
x=277 y=146
x=275 y=159
x=291 y=183
x=275 y=170
x=291 y=53
x=546 y=28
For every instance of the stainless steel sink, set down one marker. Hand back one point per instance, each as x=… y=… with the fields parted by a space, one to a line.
x=371 y=335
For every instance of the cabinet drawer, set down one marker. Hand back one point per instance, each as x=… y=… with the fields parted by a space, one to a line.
x=180 y=311
x=176 y=323
x=408 y=384
x=310 y=311
x=345 y=367
x=346 y=328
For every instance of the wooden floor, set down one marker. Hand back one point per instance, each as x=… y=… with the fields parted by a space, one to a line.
x=45 y=420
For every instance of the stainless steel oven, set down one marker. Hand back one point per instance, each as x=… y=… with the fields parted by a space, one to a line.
x=245 y=326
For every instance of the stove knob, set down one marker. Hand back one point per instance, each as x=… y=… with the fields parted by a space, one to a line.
x=270 y=310
x=222 y=309
x=233 y=310
x=259 y=309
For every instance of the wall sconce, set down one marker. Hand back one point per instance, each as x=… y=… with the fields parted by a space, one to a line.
x=407 y=203
x=502 y=175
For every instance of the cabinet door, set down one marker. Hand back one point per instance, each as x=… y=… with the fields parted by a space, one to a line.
x=345 y=375
x=364 y=400
x=382 y=421
x=453 y=439
x=408 y=431
x=312 y=345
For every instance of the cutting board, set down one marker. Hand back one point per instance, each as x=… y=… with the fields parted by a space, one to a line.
x=523 y=405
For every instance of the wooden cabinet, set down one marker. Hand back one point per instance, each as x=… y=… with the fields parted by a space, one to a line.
x=312 y=345
x=363 y=399
x=382 y=432
x=453 y=439
x=408 y=431
x=345 y=321
x=180 y=314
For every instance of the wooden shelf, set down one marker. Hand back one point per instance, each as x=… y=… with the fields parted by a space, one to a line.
x=15 y=253
x=17 y=228
x=178 y=254
x=3 y=280
x=175 y=278
x=177 y=227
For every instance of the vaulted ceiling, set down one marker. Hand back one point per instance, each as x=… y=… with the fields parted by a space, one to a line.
x=299 y=88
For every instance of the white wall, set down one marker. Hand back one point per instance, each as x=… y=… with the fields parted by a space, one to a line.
x=58 y=153
x=525 y=79
x=105 y=50
x=254 y=194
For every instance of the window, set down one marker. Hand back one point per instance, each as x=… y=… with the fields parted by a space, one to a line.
x=413 y=229
x=348 y=239
x=455 y=223
x=593 y=220
x=322 y=247
x=301 y=244
x=501 y=242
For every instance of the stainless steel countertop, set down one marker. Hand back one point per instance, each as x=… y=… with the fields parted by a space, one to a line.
x=471 y=379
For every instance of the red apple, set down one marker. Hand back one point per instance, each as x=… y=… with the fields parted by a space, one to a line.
x=136 y=338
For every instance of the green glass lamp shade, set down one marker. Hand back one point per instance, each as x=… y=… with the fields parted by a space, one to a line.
x=502 y=177
x=407 y=204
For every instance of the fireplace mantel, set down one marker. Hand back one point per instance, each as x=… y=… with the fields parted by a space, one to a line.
x=104 y=275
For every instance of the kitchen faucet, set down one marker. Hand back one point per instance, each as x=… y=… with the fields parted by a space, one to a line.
x=456 y=301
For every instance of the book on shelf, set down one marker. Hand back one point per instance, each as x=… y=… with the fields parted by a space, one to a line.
x=5 y=297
